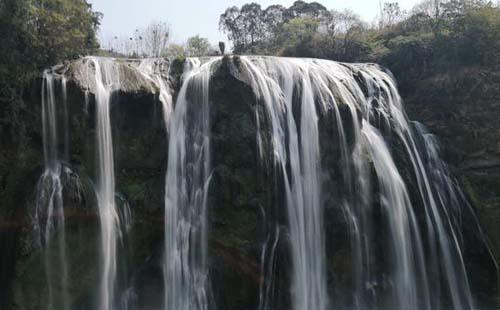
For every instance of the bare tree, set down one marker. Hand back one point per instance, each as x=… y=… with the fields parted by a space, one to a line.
x=154 y=38
x=342 y=22
x=391 y=14
x=147 y=42
x=430 y=8
x=441 y=8
x=119 y=45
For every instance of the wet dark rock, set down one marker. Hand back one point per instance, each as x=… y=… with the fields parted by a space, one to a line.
x=246 y=212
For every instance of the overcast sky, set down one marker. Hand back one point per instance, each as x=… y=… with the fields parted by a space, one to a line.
x=191 y=17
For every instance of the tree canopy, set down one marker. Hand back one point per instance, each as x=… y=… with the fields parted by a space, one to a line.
x=435 y=34
x=35 y=34
x=252 y=27
x=198 y=46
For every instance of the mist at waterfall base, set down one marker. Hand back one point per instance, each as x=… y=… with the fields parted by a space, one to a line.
x=352 y=207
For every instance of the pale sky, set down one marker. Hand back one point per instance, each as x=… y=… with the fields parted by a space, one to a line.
x=191 y=17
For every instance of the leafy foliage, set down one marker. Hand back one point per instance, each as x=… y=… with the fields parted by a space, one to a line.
x=436 y=35
x=198 y=46
x=251 y=28
x=174 y=51
x=35 y=34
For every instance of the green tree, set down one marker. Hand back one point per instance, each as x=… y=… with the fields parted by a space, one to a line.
x=477 y=37
x=246 y=27
x=299 y=30
x=174 y=51
x=61 y=29
x=197 y=46
x=302 y=9
x=36 y=34
x=252 y=29
x=297 y=35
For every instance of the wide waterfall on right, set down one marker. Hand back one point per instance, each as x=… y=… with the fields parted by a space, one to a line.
x=241 y=182
x=385 y=179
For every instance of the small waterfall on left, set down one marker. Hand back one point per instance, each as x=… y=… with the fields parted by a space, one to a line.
x=49 y=211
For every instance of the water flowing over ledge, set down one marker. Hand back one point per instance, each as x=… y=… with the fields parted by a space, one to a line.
x=275 y=183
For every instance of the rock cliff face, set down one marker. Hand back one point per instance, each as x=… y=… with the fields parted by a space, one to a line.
x=247 y=215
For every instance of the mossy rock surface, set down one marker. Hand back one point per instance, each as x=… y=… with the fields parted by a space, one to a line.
x=246 y=209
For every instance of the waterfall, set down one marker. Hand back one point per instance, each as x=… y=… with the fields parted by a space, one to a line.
x=107 y=77
x=406 y=244
x=275 y=82
x=49 y=211
x=186 y=188
x=415 y=275
x=453 y=206
x=446 y=260
x=157 y=72
x=369 y=94
x=362 y=212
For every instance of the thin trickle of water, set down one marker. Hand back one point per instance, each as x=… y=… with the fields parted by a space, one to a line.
x=186 y=188
x=64 y=82
x=49 y=211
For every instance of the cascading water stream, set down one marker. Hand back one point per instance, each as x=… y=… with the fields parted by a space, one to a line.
x=408 y=258
x=343 y=154
x=106 y=77
x=275 y=83
x=412 y=277
x=317 y=85
x=49 y=211
x=446 y=254
x=157 y=72
x=186 y=188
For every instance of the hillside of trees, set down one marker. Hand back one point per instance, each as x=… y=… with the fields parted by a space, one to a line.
x=35 y=34
x=435 y=35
